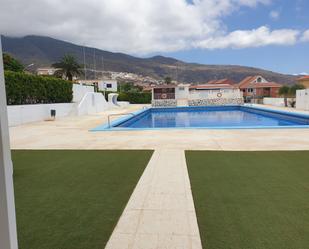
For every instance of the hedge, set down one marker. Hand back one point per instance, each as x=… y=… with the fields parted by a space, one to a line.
x=133 y=97
x=24 y=89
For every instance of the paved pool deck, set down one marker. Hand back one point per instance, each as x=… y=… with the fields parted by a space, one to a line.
x=160 y=213
x=73 y=133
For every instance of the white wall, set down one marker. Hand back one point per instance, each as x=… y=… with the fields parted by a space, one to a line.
x=80 y=90
x=274 y=101
x=92 y=103
x=302 y=99
x=182 y=92
x=21 y=114
x=213 y=94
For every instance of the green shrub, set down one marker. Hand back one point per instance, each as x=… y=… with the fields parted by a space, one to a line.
x=24 y=88
x=133 y=97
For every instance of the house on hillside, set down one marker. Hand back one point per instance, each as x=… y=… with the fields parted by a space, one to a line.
x=255 y=88
x=304 y=81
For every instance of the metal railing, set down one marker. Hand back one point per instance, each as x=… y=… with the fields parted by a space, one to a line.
x=117 y=114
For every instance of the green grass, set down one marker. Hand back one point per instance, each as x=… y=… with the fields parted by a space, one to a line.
x=72 y=199
x=251 y=200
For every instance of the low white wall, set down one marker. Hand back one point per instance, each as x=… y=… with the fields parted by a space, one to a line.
x=79 y=91
x=213 y=94
x=92 y=103
x=21 y=114
x=274 y=101
x=302 y=99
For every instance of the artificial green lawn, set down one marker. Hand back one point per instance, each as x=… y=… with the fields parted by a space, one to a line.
x=72 y=199
x=251 y=200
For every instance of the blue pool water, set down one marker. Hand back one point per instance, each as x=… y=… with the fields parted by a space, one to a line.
x=209 y=117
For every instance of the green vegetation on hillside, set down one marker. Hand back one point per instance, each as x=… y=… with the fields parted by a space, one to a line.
x=251 y=200
x=72 y=199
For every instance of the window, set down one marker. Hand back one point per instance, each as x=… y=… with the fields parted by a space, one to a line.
x=108 y=85
x=250 y=90
x=181 y=88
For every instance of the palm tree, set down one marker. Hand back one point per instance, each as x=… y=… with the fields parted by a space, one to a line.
x=68 y=67
x=284 y=91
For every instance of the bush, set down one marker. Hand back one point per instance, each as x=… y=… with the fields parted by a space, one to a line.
x=133 y=97
x=30 y=89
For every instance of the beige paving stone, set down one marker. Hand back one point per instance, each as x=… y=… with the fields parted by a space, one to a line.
x=160 y=212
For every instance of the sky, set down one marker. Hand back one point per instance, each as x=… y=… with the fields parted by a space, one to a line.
x=269 y=34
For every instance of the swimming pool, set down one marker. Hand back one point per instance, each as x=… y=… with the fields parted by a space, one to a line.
x=215 y=117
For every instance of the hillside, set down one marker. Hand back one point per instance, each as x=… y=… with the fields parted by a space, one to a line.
x=43 y=51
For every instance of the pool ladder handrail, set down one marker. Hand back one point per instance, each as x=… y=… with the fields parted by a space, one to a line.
x=118 y=114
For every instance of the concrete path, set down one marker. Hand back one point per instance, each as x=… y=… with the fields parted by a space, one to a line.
x=160 y=212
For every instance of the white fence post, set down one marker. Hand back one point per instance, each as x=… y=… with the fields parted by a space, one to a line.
x=8 y=235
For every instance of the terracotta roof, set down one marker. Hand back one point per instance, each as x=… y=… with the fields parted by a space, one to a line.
x=306 y=77
x=262 y=85
x=221 y=81
x=165 y=86
x=213 y=86
x=247 y=81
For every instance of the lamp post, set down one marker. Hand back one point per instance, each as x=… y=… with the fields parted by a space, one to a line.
x=8 y=234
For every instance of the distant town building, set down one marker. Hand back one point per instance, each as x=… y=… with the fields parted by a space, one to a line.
x=304 y=81
x=46 y=71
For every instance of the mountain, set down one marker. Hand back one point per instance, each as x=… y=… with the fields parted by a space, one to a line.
x=43 y=51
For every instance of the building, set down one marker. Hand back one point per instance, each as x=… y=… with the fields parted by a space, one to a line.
x=255 y=88
x=222 y=81
x=46 y=71
x=196 y=95
x=103 y=85
x=304 y=81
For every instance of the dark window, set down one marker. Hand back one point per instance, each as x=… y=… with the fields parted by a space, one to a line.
x=108 y=85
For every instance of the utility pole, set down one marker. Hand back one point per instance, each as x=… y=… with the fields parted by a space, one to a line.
x=84 y=62
x=8 y=234
x=94 y=65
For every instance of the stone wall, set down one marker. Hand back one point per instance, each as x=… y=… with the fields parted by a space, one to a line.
x=164 y=103
x=215 y=102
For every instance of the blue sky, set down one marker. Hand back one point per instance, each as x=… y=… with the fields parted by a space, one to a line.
x=269 y=34
x=289 y=59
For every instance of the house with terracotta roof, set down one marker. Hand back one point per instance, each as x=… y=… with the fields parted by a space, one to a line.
x=304 y=81
x=257 y=87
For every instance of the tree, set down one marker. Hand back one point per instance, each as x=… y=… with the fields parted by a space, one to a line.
x=168 y=80
x=284 y=91
x=68 y=67
x=11 y=64
x=129 y=87
x=294 y=88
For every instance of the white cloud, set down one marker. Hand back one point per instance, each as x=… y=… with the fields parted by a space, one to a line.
x=305 y=36
x=262 y=36
x=137 y=26
x=275 y=15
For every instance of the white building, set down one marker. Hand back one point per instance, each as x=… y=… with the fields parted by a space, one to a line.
x=103 y=85
x=46 y=71
x=108 y=85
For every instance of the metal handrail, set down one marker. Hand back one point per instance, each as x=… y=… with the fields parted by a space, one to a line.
x=117 y=114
